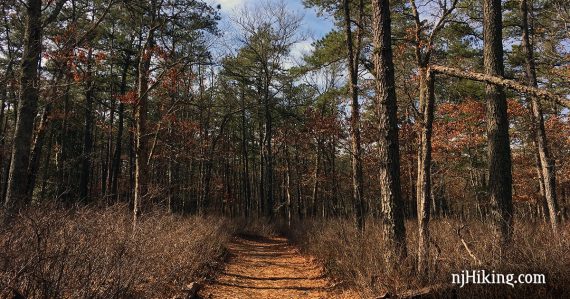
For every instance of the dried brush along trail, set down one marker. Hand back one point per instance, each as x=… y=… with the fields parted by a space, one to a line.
x=270 y=268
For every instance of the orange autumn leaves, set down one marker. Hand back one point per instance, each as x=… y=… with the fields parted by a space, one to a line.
x=462 y=126
x=459 y=127
x=460 y=137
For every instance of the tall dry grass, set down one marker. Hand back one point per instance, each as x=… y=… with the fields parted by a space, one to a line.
x=50 y=252
x=358 y=260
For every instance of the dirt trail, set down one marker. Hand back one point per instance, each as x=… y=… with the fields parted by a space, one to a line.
x=270 y=268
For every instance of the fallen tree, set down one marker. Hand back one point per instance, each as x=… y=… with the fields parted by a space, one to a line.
x=507 y=83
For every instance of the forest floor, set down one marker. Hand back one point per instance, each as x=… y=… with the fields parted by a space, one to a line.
x=271 y=268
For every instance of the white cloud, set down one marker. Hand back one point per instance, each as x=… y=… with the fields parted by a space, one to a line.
x=302 y=48
x=298 y=50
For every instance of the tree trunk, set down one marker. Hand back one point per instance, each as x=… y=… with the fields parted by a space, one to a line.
x=546 y=163
x=107 y=163
x=38 y=145
x=87 y=150
x=8 y=74
x=424 y=180
x=498 y=150
x=356 y=146
x=205 y=161
x=245 y=158
x=334 y=179
x=47 y=169
x=106 y=155
x=315 y=188
x=17 y=193
x=3 y=124
x=288 y=186
x=170 y=181
x=141 y=138
x=386 y=109
x=39 y=140
x=116 y=163
x=268 y=152
x=300 y=202
x=61 y=156
x=261 y=171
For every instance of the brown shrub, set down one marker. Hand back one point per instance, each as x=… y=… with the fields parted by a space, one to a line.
x=49 y=252
x=358 y=260
x=256 y=227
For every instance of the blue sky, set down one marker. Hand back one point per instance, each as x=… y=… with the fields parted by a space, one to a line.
x=314 y=27
x=320 y=26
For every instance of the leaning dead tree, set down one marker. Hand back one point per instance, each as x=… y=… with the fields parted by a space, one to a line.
x=543 y=94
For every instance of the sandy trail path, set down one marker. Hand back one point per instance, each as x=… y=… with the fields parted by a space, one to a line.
x=270 y=268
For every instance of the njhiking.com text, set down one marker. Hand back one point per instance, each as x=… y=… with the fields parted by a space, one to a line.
x=485 y=277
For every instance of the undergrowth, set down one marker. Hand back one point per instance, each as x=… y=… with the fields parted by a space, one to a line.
x=51 y=252
x=357 y=260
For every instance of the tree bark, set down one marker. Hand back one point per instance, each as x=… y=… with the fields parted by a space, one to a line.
x=424 y=180
x=270 y=196
x=245 y=157
x=288 y=187
x=315 y=188
x=141 y=137
x=47 y=165
x=498 y=150
x=61 y=155
x=356 y=145
x=545 y=161
x=205 y=161
x=17 y=193
x=38 y=145
x=386 y=109
x=116 y=163
x=301 y=204
x=87 y=149
x=4 y=104
x=39 y=140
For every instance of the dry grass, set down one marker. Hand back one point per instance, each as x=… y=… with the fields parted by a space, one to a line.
x=359 y=261
x=49 y=252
